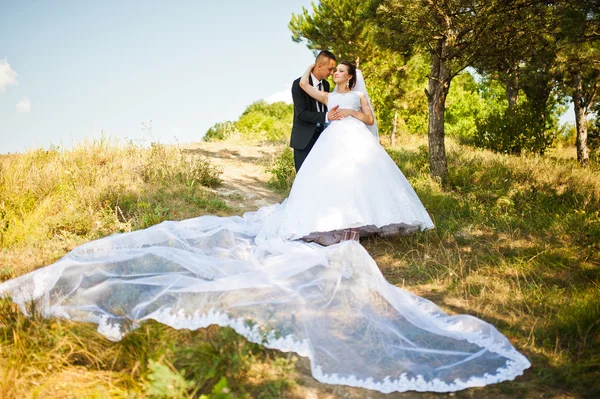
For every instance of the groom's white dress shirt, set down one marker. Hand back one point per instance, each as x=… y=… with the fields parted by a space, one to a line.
x=320 y=107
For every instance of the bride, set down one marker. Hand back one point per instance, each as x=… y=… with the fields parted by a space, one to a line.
x=348 y=185
x=253 y=274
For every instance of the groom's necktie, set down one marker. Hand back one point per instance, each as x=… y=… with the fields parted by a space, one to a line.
x=319 y=105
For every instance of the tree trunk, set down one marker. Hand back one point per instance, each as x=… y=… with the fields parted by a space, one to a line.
x=439 y=83
x=512 y=85
x=579 y=105
x=393 y=138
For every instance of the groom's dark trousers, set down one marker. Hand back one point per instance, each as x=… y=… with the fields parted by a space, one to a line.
x=305 y=131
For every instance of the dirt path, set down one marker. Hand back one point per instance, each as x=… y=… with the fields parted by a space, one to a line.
x=245 y=188
x=244 y=175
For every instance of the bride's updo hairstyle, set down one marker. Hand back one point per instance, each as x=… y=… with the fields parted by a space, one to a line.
x=351 y=71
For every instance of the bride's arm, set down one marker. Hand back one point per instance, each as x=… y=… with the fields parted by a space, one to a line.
x=364 y=115
x=318 y=95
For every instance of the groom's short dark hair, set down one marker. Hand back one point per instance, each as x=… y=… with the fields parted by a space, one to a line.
x=325 y=54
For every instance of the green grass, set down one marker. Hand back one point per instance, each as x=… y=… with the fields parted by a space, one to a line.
x=516 y=243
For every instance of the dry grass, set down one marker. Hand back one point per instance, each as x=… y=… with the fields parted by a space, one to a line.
x=52 y=201
x=516 y=243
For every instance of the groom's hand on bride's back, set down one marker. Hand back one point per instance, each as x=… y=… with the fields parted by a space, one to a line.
x=333 y=114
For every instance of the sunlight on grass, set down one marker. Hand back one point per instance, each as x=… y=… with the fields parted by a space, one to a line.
x=52 y=201
x=516 y=243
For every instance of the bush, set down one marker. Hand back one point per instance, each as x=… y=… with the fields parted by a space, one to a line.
x=220 y=131
x=165 y=383
x=260 y=121
x=567 y=135
x=463 y=106
x=269 y=122
x=282 y=171
x=513 y=131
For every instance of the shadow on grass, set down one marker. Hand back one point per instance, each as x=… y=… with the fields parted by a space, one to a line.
x=516 y=244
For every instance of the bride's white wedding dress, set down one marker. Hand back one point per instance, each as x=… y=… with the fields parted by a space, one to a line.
x=329 y=303
x=348 y=180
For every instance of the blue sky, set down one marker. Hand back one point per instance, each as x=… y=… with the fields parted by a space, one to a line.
x=71 y=69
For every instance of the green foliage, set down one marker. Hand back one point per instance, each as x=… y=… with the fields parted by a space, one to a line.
x=282 y=171
x=464 y=106
x=339 y=25
x=266 y=122
x=514 y=130
x=220 y=131
x=164 y=383
x=220 y=390
x=260 y=121
x=277 y=110
x=566 y=135
x=396 y=82
x=395 y=79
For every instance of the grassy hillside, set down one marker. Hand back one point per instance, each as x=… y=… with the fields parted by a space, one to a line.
x=516 y=243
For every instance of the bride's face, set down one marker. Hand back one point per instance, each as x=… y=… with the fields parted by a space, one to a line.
x=341 y=76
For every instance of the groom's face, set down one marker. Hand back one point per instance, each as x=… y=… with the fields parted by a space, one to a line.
x=325 y=68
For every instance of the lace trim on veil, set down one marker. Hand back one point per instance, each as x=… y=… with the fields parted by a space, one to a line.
x=318 y=302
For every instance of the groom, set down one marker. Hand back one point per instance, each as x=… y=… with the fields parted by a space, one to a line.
x=310 y=115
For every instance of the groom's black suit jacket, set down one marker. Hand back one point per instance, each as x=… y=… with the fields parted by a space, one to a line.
x=306 y=115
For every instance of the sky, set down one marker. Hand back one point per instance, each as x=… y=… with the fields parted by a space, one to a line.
x=70 y=70
x=73 y=70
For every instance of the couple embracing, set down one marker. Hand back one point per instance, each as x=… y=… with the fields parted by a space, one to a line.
x=346 y=185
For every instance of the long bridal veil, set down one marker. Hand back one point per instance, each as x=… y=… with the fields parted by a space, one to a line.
x=331 y=304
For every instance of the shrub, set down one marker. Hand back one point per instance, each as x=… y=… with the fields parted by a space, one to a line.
x=260 y=121
x=269 y=122
x=513 y=131
x=220 y=131
x=282 y=171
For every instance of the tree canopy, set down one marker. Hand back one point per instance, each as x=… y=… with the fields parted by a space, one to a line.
x=539 y=54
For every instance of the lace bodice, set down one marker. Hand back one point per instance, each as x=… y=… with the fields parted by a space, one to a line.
x=350 y=100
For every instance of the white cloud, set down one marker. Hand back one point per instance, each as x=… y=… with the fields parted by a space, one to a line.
x=7 y=76
x=282 y=95
x=24 y=105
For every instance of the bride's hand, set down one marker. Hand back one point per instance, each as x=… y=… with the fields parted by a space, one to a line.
x=343 y=113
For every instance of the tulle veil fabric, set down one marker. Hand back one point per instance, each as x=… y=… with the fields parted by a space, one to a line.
x=330 y=304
